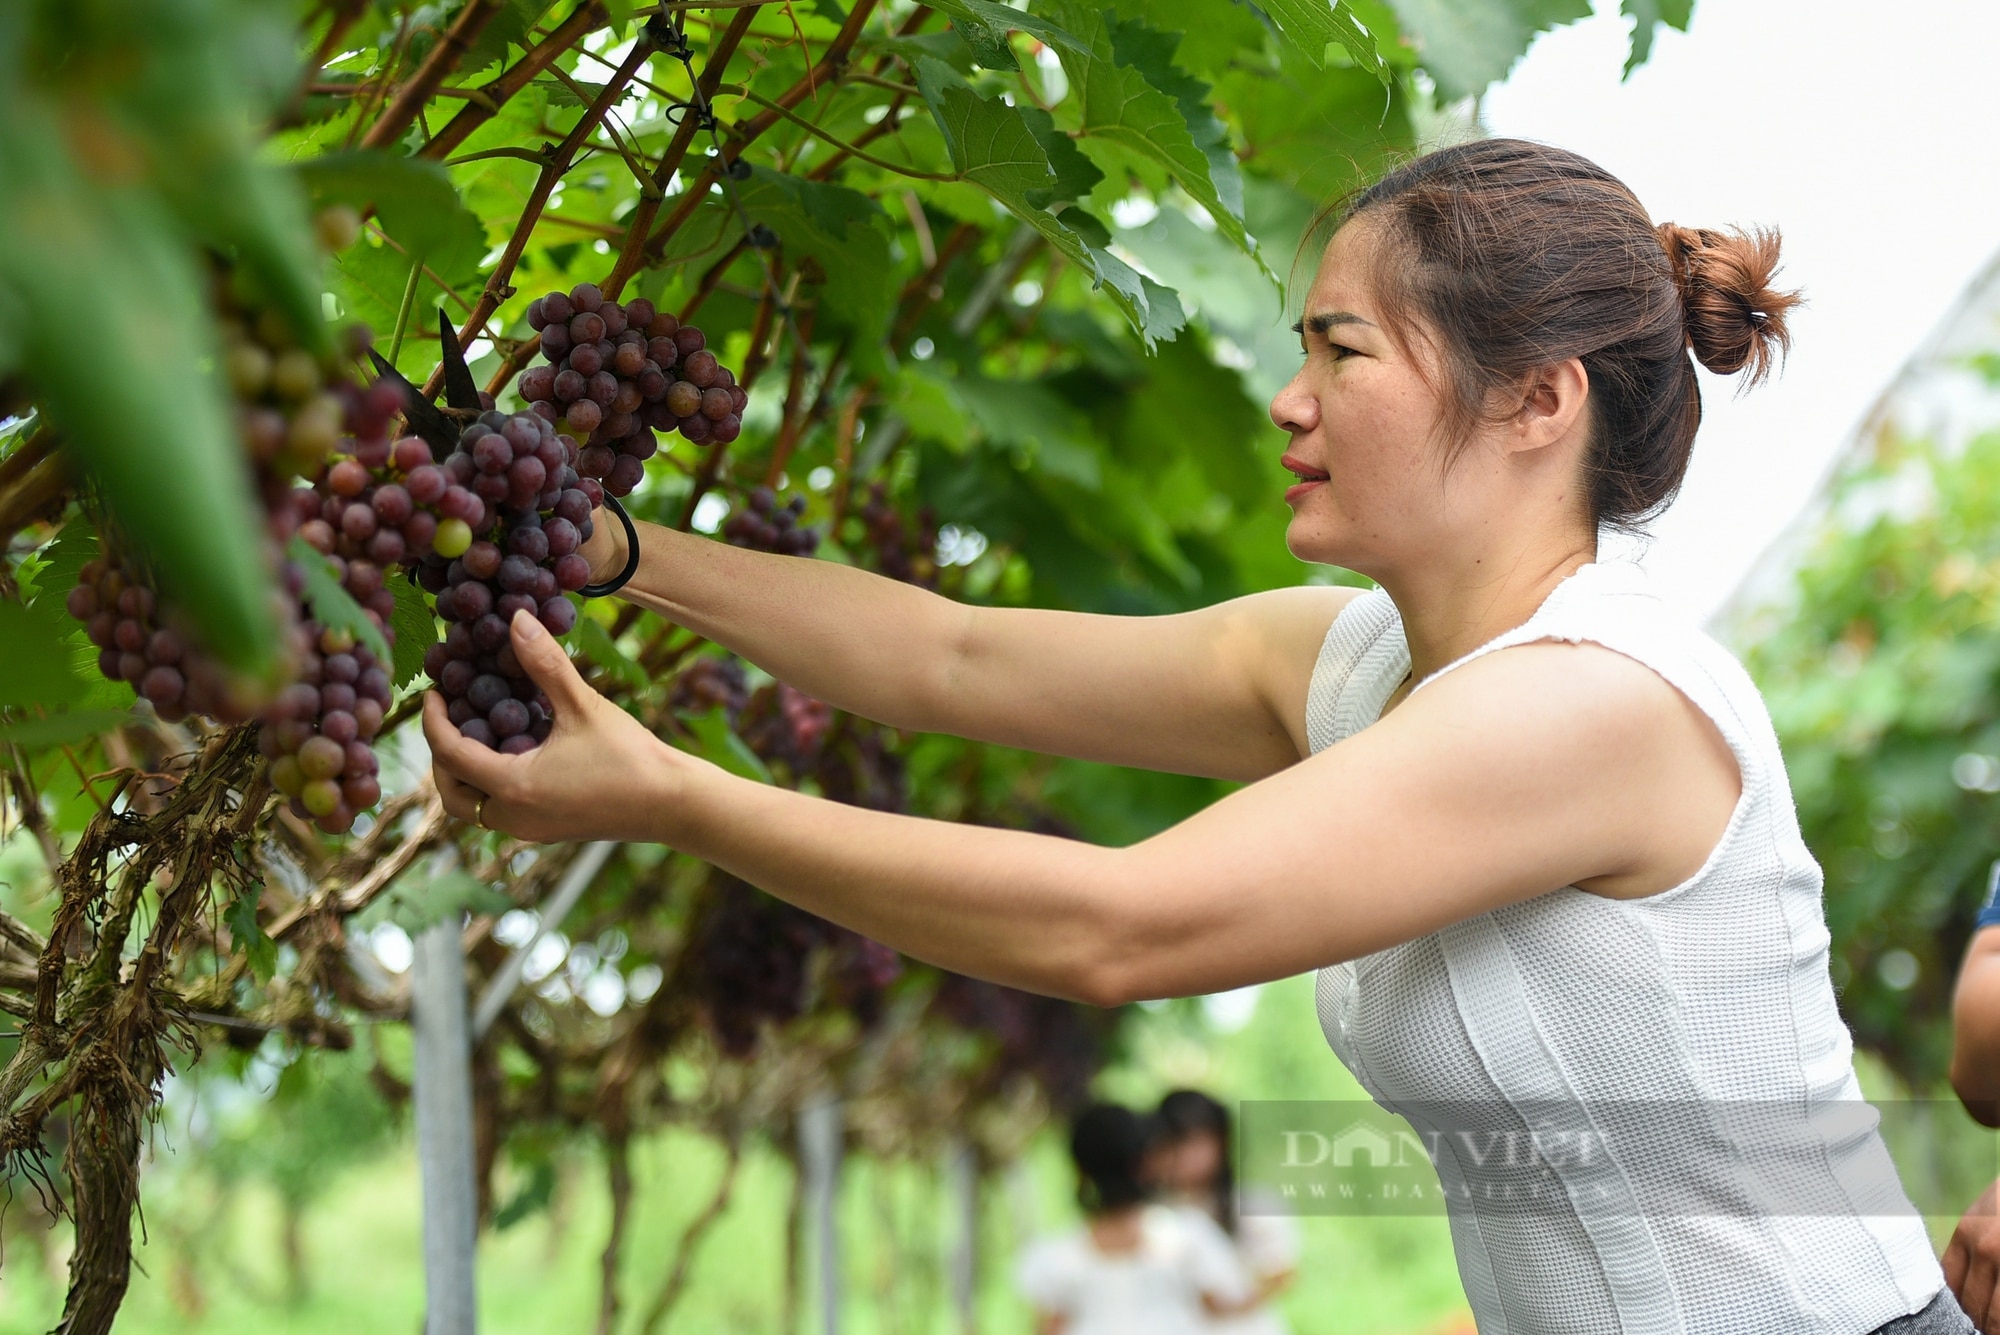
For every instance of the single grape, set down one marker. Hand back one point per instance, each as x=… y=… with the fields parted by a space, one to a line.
x=453 y=537
x=689 y=339
x=727 y=429
x=700 y=367
x=626 y=473
x=339 y=725
x=286 y=776
x=537 y=383
x=587 y=296
x=716 y=403
x=684 y=398
x=320 y=796
x=584 y=415
x=393 y=503
x=558 y=616
x=492 y=453
x=411 y=453
x=508 y=717
x=477 y=730
x=347 y=478
x=361 y=791
x=572 y=572
x=321 y=758
x=482 y=560
x=426 y=484
x=584 y=358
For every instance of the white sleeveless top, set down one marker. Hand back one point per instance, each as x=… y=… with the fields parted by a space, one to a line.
x=1707 y=997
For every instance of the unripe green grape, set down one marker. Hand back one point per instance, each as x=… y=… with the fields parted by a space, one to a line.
x=453 y=537
x=287 y=777
x=320 y=796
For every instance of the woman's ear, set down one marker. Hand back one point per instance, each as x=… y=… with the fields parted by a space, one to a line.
x=1552 y=404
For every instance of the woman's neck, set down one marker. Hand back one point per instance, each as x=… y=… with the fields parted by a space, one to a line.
x=1450 y=607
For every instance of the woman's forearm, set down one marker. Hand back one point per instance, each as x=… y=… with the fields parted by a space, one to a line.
x=866 y=644
x=1031 y=911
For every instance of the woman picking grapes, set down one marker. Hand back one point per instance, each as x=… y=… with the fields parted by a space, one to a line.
x=1534 y=832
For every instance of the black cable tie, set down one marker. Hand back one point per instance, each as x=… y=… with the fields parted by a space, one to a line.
x=623 y=577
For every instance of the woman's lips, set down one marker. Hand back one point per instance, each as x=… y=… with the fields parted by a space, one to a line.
x=1309 y=477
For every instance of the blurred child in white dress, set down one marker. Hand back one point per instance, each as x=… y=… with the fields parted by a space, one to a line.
x=1135 y=1266
x=1193 y=1163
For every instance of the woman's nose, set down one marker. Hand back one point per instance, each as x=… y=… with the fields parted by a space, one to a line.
x=1294 y=410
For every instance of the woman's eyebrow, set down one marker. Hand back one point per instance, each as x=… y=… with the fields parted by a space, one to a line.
x=1326 y=320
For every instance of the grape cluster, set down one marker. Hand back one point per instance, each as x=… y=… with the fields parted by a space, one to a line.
x=765 y=526
x=141 y=642
x=711 y=683
x=316 y=734
x=782 y=723
x=616 y=374
x=900 y=553
x=1061 y=1045
x=517 y=513
x=752 y=964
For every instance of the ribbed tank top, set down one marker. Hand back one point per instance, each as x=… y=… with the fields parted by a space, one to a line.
x=1711 y=995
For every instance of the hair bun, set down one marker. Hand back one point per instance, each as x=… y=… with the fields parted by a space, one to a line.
x=1735 y=318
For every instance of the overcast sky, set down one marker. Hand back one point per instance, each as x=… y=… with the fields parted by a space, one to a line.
x=1868 y=134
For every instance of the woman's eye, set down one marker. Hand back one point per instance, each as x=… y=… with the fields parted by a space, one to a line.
x=1340 y=352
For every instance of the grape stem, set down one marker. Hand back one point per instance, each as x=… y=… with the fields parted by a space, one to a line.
x=403 y=311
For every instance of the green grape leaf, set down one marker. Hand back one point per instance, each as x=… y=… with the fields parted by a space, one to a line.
x=414 y=199
x=416 y=630
x=985 y=25
x=842 y=230
x=1076 y=174
x=36 y=667
x=1112 y=82
x=248 y=934
x=1647 y=16
x=512 y=25
x=993 y=146
x=58 y=566
x=37 y=734
x=333 y=606
x=717 y=743
x=598 y=646
x=1313 y=24
x=1467 y=47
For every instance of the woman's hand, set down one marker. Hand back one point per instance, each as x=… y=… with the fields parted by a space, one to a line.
x=600 y=774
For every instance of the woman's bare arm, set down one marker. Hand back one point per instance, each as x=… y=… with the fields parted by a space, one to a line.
x=1534 y=768
x=1218 y=692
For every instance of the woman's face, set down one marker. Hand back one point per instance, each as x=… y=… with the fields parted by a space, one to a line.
x=1363 y=422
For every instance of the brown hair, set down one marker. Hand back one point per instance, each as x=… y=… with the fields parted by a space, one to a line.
x=1517 y=256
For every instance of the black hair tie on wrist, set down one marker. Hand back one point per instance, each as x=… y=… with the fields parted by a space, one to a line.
x=618 y=581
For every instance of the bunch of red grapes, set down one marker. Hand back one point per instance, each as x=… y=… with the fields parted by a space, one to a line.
x=361 y=518
x=765 y=526
x=512 y=547
x=616 y=374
